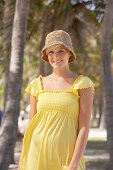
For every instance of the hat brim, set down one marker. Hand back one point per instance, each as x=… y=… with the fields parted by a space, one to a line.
x=44 y=57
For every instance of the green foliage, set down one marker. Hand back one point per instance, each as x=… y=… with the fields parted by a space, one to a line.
x=79 y=19
x=97 y=144
x=24 y=85
x=1 y=89
x=1 y=94
x=1 y=72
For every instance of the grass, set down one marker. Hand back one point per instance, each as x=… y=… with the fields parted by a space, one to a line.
x=97 y=144
x=96 y=149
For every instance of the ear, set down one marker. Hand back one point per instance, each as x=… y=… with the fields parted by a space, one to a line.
x=70 y=54
x=69 y=57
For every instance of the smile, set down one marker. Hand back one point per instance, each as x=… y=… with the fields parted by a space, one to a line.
x=57 y=61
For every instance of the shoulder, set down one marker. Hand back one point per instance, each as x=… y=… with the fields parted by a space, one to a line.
x=33 y=82
x=83 y=82
x=33 y=87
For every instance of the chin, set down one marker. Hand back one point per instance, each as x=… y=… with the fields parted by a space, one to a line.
x=56 y=66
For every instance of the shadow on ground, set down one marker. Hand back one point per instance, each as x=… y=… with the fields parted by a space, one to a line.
x=96 y=155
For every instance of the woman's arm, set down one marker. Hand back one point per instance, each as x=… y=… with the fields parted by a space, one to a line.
x=33 y=108
x=86 y=102
x=33 y=111
x=19 y=164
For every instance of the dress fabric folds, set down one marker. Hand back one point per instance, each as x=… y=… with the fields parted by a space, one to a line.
x=50 y=137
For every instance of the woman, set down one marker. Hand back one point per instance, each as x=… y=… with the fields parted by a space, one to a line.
x=61 y=105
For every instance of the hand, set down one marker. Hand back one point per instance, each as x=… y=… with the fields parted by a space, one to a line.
x=18 y=167
x=72 y=166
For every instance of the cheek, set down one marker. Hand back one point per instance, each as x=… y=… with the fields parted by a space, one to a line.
x=49 y=58
x=66 y=57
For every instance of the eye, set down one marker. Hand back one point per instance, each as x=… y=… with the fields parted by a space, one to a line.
x=50 y=52
x=61 y=51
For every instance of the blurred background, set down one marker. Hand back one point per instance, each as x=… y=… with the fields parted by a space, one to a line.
x=24 y=25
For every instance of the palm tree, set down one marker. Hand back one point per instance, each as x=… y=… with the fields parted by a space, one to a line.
x=8 y=131
x=106 y=75
x=47 y=26
x=65 y=16
x=7 y=34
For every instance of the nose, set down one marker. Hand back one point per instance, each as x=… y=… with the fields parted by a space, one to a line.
x=55 y=55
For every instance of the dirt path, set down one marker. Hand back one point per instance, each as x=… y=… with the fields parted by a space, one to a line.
x=17 y=152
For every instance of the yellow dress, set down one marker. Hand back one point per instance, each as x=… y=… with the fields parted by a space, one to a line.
x=50 y=137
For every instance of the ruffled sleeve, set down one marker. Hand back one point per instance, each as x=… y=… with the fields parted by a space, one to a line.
x=84 y=82
x=33 y=88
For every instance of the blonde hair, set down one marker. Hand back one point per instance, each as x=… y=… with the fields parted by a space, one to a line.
x=58 y=37
x=53 y=46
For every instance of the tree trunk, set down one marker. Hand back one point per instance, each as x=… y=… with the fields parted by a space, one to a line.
x=102 y=122
x=7 y=34
x=106 y=75
x=48 y=26
x=9 y=125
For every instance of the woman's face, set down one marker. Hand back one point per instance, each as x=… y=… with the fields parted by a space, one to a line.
x=58 y=56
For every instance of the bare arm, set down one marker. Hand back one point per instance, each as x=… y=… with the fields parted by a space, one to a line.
x=33 y=111
x=19 y=164
x=86 y=101
x=33 y=108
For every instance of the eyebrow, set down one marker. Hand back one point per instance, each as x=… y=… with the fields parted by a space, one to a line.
x=59 y=49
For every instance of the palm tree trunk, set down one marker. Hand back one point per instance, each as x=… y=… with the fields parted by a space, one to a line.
x=7 y=34
x=106 y=75
x=8 y=131
x=48 y=26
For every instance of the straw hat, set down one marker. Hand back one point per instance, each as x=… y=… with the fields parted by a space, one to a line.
x=58 y=37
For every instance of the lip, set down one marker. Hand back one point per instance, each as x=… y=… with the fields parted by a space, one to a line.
x=57 y=61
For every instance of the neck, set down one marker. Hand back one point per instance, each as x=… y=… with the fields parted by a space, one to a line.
x=62 y=72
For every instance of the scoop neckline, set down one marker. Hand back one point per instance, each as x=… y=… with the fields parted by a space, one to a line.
x=58 y=91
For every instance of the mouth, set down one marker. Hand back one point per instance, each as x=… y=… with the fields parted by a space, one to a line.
x=59 y=61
